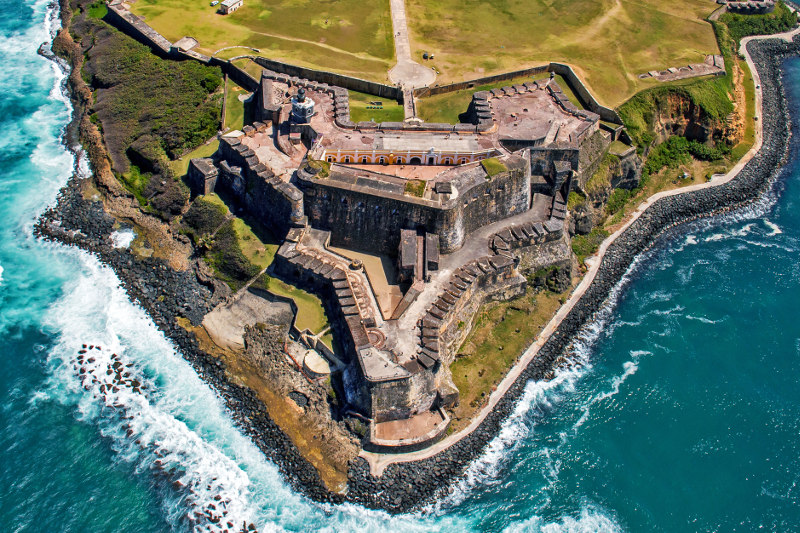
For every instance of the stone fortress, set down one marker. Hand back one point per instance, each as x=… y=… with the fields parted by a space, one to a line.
x=462 y=213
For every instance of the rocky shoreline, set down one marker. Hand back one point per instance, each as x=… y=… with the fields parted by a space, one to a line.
x=167 y=294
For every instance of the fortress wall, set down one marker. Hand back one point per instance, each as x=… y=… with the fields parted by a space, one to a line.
x=402 y=398
x=238 y=75
x=331 y=78
x=588 y=100
x=461 y=85
x=384 y=400
x=495 y=285
x=543 y=157
x=135 y=27
x=368 y=219
x=278 y=205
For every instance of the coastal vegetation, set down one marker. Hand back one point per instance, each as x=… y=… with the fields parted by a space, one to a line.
x=500 y=334
x=173 y=105
x=780 y=20
x=724 y=106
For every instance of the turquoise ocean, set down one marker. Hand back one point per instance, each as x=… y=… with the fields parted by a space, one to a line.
x=683 y=414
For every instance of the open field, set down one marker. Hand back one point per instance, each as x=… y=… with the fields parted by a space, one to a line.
x=348 y=36
x=391 y=111
x=609 y=42
x=502 y=331
x=234 y=107
x=181 y=166
x=448 y=106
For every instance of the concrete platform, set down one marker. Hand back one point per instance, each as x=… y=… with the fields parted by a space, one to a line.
x=408 y=434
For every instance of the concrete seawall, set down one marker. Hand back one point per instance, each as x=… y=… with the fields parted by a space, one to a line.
x=409 y=480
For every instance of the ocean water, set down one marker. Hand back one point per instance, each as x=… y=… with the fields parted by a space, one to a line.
x=683 y=414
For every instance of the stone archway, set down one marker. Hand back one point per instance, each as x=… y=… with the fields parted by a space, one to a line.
x=415 y=161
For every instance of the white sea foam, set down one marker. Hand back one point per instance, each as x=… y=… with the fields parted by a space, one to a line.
x=702 y=319
x=591 y=519
x=147 y=401
x=122 y=238
x=776 y=230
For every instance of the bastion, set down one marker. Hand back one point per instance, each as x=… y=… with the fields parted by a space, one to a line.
x=462 y=213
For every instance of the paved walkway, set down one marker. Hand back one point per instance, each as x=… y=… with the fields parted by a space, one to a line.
x=407 y=73
x=378 y=462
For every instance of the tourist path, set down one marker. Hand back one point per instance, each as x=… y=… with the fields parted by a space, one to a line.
x=407 y=73
x=379 y=462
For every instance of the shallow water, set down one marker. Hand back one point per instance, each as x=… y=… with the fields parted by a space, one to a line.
x=683 y=414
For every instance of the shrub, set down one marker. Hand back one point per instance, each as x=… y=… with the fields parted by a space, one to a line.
x=415 y=188
x=585 y=245
x=617 y=200
x=780 y=20
x=227 y=259
x=203 y=217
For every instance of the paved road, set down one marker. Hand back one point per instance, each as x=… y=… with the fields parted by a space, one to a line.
x=407 y=72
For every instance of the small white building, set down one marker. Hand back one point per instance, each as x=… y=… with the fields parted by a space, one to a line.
x=229 y=6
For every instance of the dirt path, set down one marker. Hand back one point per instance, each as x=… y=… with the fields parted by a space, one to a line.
x=362 y=56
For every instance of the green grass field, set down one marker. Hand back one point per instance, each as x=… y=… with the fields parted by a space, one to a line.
x=359 y=102
x=234 y=108
x=448 y=106
x=609 y=42
x=348 y=36
x=181 y=166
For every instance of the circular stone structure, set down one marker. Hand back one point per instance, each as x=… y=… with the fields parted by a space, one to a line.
x=315 y=365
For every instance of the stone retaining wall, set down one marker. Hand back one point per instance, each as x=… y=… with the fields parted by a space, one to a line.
x=331 y=78
x=278 y=204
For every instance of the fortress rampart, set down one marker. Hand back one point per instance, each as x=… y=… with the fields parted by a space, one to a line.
x=360 y=215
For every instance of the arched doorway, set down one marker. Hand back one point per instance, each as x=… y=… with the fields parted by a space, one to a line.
x=415 y=161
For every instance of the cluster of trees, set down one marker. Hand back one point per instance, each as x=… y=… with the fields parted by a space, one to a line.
x=780 y=20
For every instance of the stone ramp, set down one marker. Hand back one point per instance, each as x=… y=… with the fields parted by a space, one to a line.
x=225 y=324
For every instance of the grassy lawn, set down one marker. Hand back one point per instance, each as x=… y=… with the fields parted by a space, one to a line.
x=750 y=99
x=502 y=331
x=254 y=249
x=448 y=106
x=249 y=66
x=609 y=42
x=349 y=36
x=310 y=313
x=181 y=166
x=391 y=111
x=234 y=108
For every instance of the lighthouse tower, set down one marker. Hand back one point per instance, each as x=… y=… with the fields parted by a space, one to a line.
x=302 y=107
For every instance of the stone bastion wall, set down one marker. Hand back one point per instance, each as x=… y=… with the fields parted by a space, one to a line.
x=367 y=218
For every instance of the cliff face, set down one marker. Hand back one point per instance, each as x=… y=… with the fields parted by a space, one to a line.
x=612 y=172
x=677 y=114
